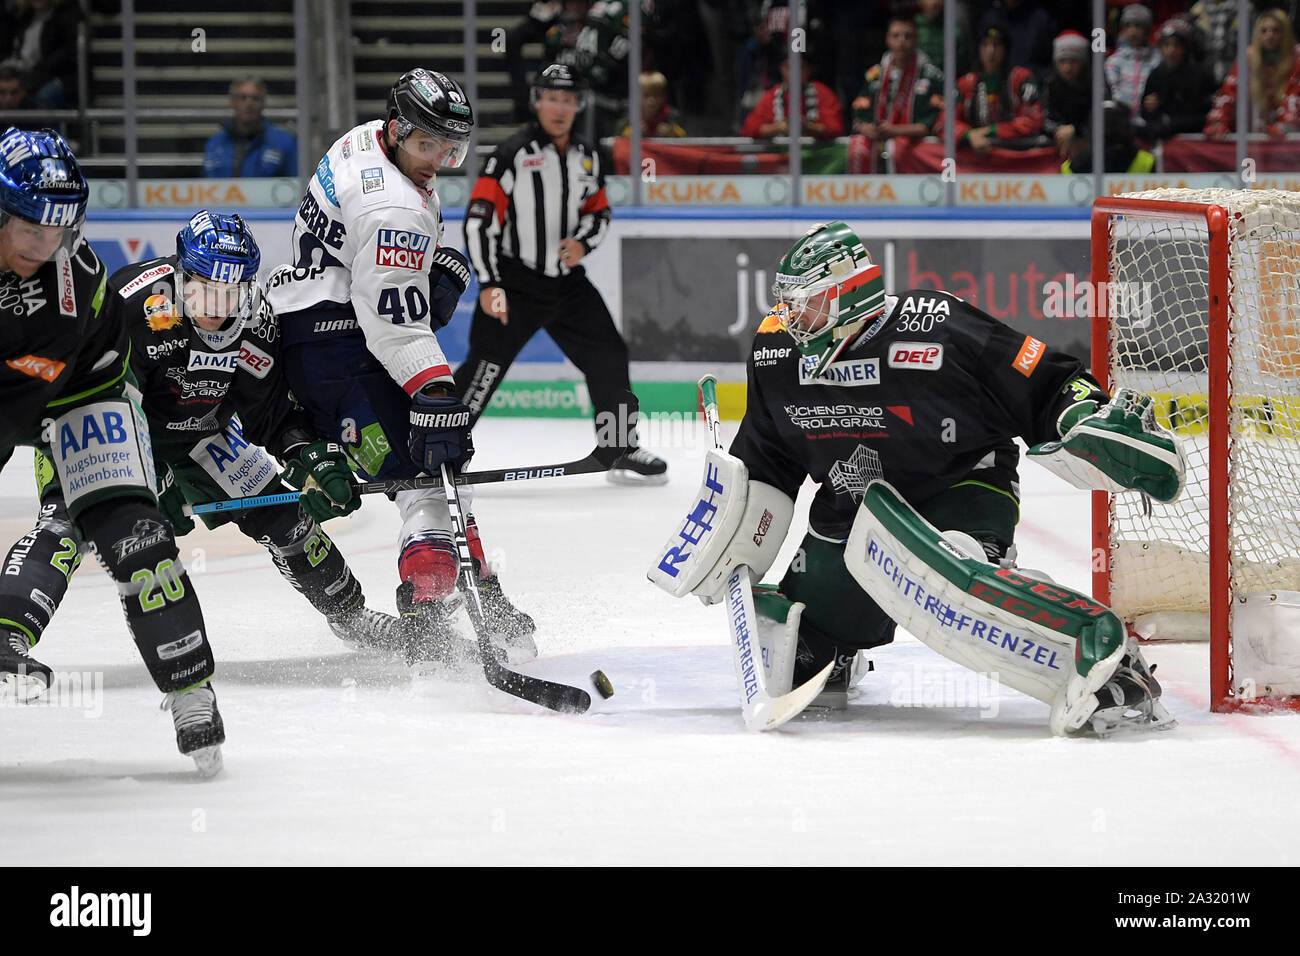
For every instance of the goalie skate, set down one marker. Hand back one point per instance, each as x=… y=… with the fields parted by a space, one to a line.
x=1130 y=701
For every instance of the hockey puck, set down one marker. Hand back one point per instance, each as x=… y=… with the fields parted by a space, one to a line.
x=603 y=687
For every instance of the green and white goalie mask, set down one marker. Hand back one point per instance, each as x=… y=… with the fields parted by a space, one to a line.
x=826 y=289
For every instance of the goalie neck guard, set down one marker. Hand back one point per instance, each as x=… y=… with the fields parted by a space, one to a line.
x=826 y=290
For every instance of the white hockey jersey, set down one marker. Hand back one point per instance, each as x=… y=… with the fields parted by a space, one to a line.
x=366 y=234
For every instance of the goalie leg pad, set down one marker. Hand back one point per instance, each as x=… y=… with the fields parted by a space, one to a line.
x=733 y=522
x=1044 y=640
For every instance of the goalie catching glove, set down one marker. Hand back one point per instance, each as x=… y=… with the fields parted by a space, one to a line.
x=322 y=472
x=734 y=522
x=1115 y=448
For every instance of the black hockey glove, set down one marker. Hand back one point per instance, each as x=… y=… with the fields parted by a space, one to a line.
x=448 y=280
x=323 y=473
x=171 y=502
x=440 y=432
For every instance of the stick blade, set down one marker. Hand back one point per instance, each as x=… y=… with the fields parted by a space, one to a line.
x=772 y=712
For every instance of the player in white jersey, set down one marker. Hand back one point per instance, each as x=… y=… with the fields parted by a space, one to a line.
x=358 y=310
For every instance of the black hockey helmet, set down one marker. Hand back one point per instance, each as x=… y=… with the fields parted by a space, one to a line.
x=560 y=76
x=435 y=104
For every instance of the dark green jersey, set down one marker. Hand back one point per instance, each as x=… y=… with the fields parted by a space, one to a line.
x=930 y=395
x=58 y=346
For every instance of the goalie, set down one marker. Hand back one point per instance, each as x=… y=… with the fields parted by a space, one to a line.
x=905 y=409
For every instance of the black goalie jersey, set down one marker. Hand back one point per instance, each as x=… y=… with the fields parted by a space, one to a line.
x=188 y=391
x=931 y=394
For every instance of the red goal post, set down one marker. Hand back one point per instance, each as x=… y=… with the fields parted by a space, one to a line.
x=1196 y=301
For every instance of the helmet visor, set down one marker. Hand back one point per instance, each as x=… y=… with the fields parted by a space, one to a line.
x=211 y=304
x=430 y=149
x=33 y=245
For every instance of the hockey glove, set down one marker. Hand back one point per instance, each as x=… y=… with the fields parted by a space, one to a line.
x=1116 y=447
x=171 y=503
x=440 y=432
x=323 y=473
x=448 y=280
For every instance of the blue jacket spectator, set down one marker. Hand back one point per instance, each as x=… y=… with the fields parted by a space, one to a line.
x=249 y=146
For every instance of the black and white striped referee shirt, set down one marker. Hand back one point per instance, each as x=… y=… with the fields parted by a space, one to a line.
x=528 y=198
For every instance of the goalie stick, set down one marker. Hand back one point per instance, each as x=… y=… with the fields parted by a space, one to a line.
x=548 y=694
x=591 y=464
x=760 y=709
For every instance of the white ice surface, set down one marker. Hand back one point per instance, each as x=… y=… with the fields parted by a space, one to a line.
x=334 y=758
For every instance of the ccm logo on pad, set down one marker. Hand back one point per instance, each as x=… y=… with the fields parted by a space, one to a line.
x=925 y=355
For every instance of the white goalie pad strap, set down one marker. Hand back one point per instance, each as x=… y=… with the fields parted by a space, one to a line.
x=100 y=449
x=733 y=522
x=1078 y=472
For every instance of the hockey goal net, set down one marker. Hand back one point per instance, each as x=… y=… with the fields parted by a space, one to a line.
x=1200 y=308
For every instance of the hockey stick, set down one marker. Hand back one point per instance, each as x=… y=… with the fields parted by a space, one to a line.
x=761 y=710
x=582 y=466
x=548 y=694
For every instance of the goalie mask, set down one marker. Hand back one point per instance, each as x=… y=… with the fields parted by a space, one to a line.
x=217 y=280
x=826 y=290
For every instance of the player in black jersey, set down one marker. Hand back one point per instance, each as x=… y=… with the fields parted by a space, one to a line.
x=205 y=362
x=926 y=393
x=63 y=366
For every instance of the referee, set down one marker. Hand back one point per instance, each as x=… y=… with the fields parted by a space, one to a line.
x=537 y=209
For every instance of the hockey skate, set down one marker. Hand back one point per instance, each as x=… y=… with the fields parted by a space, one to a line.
x=199 y=730
x=430 y=632
x=22 y=677
x=503 y=619
x=364 y=627
x=1130 y=700
x=636 y=466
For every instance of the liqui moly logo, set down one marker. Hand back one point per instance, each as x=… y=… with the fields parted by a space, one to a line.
x=399 y=249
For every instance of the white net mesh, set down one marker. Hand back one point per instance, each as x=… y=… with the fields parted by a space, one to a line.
x=1159 y=343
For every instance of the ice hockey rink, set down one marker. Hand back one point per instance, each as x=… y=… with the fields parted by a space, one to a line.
x=337 y=757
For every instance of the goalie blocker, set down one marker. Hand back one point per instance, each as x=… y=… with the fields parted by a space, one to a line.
x=1044 y=640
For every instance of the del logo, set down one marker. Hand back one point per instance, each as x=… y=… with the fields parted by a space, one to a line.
x=401 y=250
x=533 y=162
x=922 y=355
x=159 y=314
x=254 y=361
x=212 y=360
x=852 y=373
x=1030 y=352
x=37 y=367
x=106 y=428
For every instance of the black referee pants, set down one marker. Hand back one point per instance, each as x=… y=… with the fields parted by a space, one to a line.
x=572 y=312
